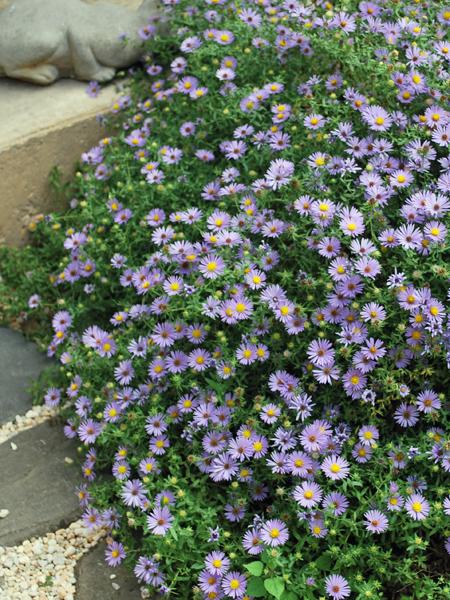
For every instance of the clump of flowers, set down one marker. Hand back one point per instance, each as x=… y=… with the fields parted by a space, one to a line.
x=253 y=281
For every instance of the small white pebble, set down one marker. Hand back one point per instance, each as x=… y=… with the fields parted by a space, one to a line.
x=13 y=446
x=4 y=512
x=68 y=460
x=112 y=576
x=116 y=586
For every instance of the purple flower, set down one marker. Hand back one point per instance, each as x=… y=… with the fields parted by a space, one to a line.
x=376 y=521
x=252 y=541
x=406 y=415
x=93 y=89
x=337 y=587
x=133 y=493
x=234 y=584
x=417 y=507
x=336 y=502
x=335 y=467
x=308 y=494
x=114 y=554
x=279 y=173
x=159 y=521
x=217 y=563
x=88 y=431
x=352 y=222
x=274 y=532
x=376 y=117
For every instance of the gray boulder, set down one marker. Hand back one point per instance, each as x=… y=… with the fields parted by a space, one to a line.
x=43 y=40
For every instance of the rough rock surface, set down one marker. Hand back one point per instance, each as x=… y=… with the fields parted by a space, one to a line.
x=94 y=579
x=21 y=362
x=39 y=472
x=43 y=41
x=44 y=568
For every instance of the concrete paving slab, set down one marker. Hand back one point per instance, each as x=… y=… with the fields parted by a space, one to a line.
x=37 y=484
x=21 y=362
x=42 y=128
x=94 y=582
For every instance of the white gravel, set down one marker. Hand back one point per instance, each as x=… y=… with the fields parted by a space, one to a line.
x=44 y=568
x=35 y=416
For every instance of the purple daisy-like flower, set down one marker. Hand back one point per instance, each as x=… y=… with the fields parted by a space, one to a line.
x=308 y=494
x=368 y=435
x=335 y=467
x=133 y=493
x=351 y=222
x=217 y=563
x=234 y=584
x=274 y=532
x=406 y=415
x=252 y=541
x=377 y=118
x=159 y=521
x=336 y=502
x=337 y=587
x=89 y=430
x=279 y=173
x=376 y=521
x=417 y=507
x=114 y=554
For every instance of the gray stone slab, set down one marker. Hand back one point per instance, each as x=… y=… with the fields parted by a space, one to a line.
x=37 y=485
x=20 y=362
x=94 y=583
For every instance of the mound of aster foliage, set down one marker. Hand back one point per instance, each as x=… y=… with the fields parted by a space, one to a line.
x=253 y=320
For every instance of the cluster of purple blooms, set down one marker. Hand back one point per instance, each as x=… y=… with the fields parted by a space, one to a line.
x=211 y=299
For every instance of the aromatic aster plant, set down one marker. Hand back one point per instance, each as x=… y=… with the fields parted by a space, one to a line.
x=252 y=284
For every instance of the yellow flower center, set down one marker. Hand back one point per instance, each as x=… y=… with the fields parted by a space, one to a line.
x=274 y=533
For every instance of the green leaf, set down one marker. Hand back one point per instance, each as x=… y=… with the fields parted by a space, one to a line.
x=255 y=587
x=323 y=562
x=289 y=596
x=275 y=586
x=255 y=568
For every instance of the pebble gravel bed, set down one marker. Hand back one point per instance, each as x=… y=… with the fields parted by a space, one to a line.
x=44 y=568
x=35 y=416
